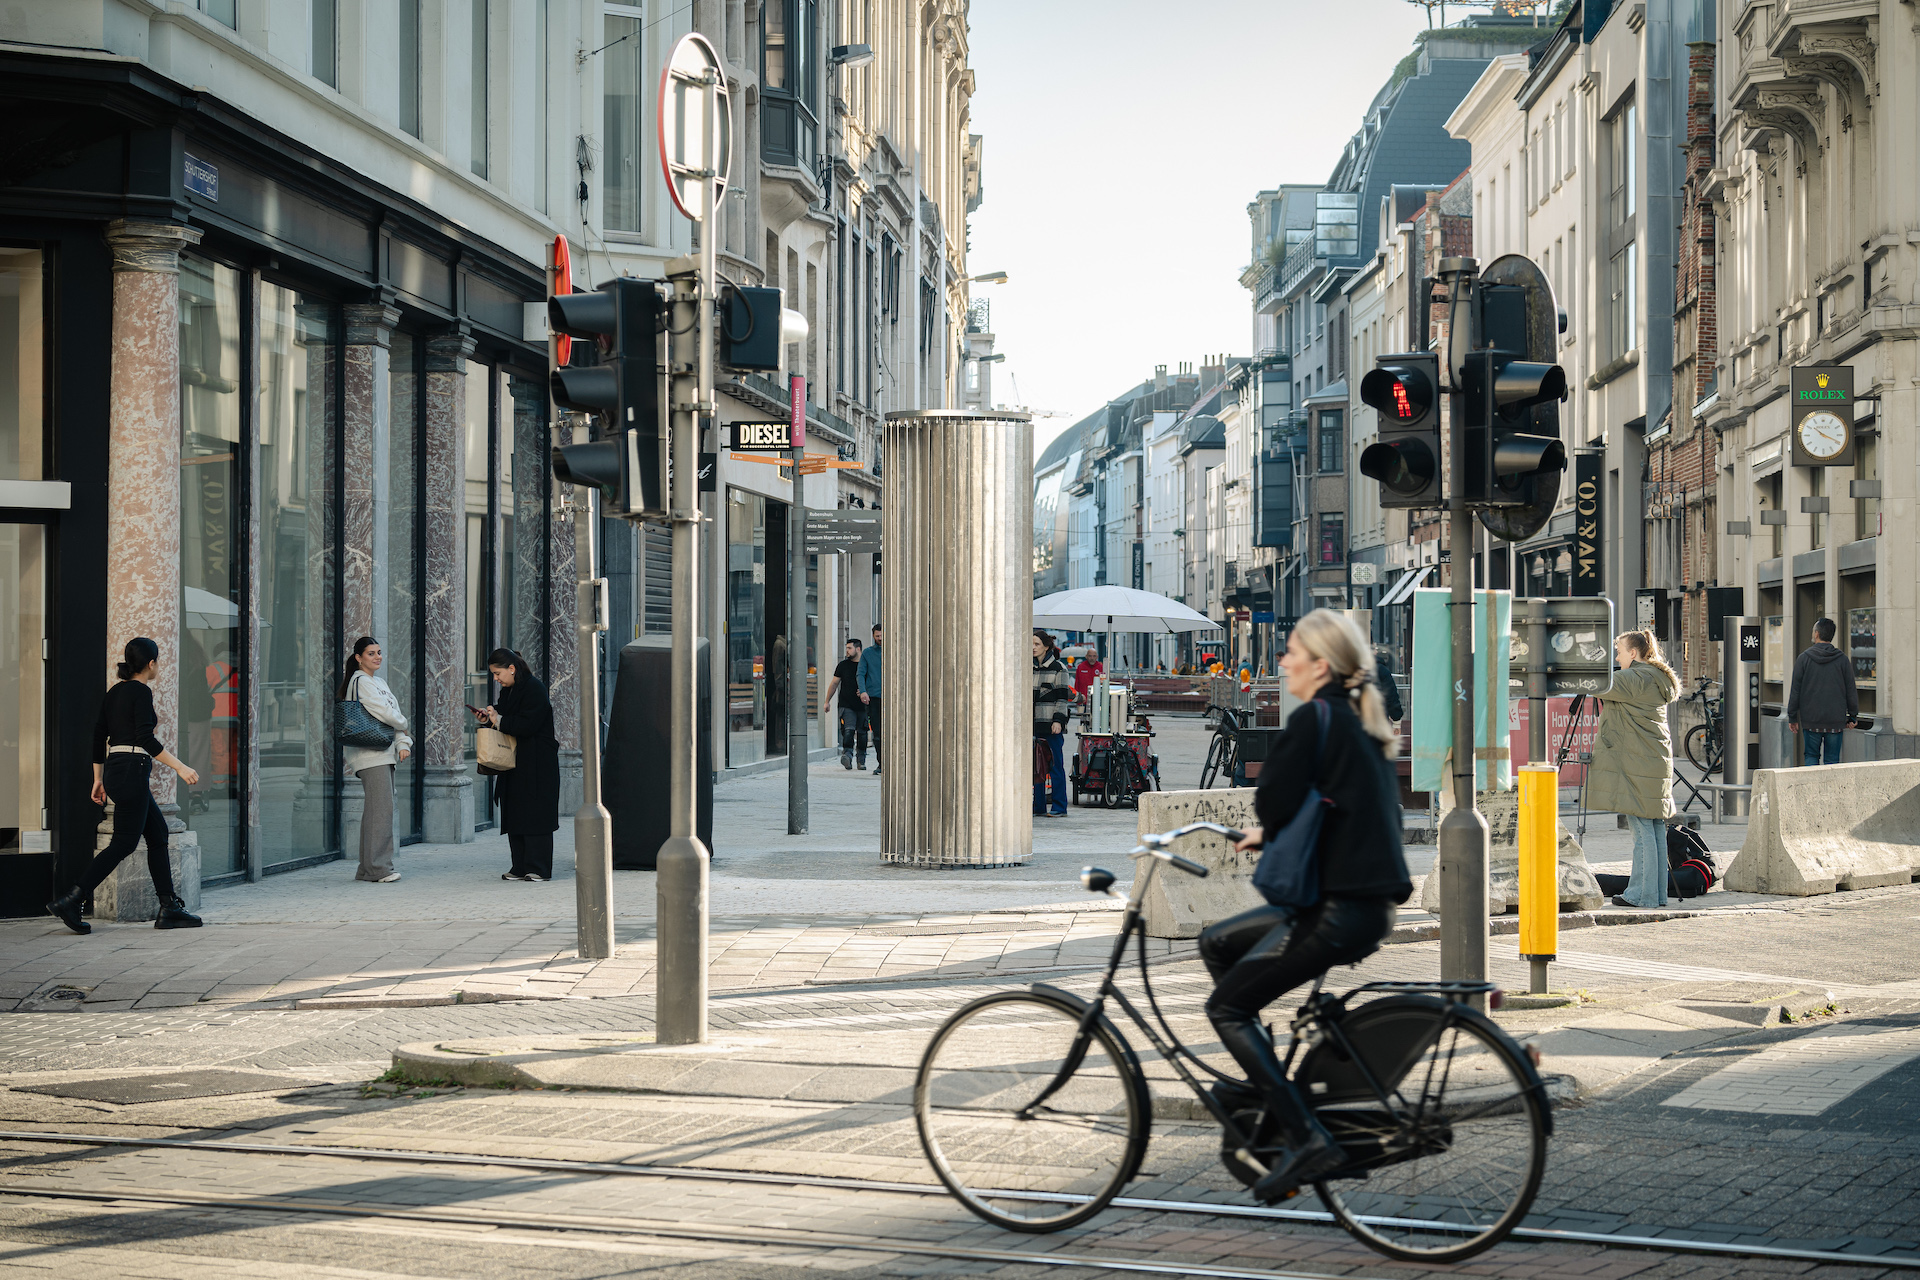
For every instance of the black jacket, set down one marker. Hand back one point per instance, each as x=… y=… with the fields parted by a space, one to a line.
x=529 y=793
x=1823 y=698
x=1052 y=696
x=1389 y=691
x=1360 y=846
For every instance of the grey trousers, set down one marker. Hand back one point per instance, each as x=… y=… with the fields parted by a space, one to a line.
x=376 y=824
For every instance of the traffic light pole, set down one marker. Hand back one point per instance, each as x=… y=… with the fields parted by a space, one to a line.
x=798 y=747
x=1463 y=832
x=680 y=977
x=592 y=824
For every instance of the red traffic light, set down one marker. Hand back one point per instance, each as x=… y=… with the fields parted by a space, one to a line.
x=1401 y=393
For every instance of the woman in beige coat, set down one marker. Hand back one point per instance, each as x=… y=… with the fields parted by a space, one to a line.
x=1632 y=770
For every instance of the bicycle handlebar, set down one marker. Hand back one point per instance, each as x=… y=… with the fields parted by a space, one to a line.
x=1156 y=844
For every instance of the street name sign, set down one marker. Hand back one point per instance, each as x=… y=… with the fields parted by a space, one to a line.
x=836 y=532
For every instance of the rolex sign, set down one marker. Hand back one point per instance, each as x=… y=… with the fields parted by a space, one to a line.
x=1821 y=421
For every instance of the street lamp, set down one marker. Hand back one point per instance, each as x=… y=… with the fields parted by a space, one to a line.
x=992 y=277
x=851 y=55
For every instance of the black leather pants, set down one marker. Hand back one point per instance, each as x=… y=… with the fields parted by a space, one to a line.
x=1257 y=956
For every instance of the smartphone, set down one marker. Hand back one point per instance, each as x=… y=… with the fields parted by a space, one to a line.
x=474 y=709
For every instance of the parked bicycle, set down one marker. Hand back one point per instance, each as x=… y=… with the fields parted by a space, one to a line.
x=1223 y=753
x=1703 y=742
x=1034 y=1111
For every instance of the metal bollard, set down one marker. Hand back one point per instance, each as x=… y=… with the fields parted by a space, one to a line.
x=1539 y=872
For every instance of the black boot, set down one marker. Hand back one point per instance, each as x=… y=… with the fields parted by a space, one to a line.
x=67 y=907
x=174 y=915
x=1311 y=1150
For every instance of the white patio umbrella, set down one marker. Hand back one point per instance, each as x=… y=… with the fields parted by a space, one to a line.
x=206 y=611
x=1117 y=609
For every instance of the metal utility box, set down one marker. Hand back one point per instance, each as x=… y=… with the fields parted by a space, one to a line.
x=1740 y=704
x=634 y=770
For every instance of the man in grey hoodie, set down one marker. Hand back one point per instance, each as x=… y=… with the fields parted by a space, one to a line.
x=1824 y=702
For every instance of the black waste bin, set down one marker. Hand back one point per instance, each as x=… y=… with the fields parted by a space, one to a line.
x=635 y=771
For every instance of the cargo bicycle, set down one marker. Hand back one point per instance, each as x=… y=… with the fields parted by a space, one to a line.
x=1033 y=1108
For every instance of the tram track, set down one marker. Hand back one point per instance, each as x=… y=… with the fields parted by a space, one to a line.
x=825 y=1240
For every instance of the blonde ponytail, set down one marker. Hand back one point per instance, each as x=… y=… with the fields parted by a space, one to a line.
x=1334 y=637
x=1646 y=648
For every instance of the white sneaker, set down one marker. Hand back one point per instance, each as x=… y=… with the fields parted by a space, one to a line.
x=533 y=876
x=388 y=879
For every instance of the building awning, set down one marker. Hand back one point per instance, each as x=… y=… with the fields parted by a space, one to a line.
x=1404 y=588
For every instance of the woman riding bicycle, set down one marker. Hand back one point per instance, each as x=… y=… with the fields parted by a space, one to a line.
x=1259 y=955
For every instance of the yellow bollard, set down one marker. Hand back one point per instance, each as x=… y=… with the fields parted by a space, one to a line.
x=1539 y=875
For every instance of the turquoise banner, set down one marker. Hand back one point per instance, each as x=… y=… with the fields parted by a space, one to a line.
x=1434 y=695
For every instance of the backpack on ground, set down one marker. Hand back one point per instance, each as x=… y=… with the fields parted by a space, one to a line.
x=1691 y=870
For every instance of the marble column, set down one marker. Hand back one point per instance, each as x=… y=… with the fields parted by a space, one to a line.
x=365 y=506
x=563 y=649
x=448 y=803
x=143 y=517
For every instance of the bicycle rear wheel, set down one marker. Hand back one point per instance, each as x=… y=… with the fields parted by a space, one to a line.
x=1011 y=1146
x=1703 y=749
x=1460 y=1169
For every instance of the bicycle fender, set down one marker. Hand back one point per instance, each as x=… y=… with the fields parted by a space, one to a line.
x=1391 y=1034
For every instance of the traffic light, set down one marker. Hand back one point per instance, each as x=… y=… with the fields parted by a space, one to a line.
x=1512 y=418
x=749 y=327
x=629 y=462
x=1405 y=389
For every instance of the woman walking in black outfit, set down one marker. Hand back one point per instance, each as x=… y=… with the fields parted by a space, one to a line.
x=1259 y=955
x=528 y=793
x=124 y=749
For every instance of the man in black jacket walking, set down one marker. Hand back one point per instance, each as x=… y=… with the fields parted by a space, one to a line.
x=1823 y=702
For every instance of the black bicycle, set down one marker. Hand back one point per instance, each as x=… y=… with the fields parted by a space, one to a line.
x=1703 y=742
x=1223 y=753
x=1034 y=1111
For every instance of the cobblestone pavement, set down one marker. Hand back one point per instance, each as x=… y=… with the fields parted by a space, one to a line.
x=1621 y=1159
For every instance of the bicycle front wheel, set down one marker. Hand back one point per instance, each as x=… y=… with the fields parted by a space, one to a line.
x=1459 y=1167
x=1029 y=1124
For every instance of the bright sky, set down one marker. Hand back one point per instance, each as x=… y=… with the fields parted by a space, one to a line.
x=1124 y=140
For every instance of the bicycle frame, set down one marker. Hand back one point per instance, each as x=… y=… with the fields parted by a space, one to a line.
x=1318 y=1016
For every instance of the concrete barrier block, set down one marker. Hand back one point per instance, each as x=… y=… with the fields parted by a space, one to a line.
x=1179 y=905
x=1837 y=826
x=1579 y=891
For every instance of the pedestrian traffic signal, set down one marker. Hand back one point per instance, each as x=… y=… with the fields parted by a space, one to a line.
x=1404 y=389
x=629 y=462
x=1510 y=408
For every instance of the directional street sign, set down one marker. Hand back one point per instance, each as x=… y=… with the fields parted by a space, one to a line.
x=834 y=532
x=1561 y=645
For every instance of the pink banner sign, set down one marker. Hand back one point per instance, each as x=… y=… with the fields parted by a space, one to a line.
x=798 y=385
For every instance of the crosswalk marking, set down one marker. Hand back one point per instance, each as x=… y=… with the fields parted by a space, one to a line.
x=1803 y=1077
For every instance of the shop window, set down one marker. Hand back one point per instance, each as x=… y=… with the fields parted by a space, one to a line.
x=1866 y=511
x=624 y=132
x=22 y=363
x=400 y=633
x=211 y=561
x=477 y=447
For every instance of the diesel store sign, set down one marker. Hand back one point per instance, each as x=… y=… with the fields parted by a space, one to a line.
x=774 y=437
